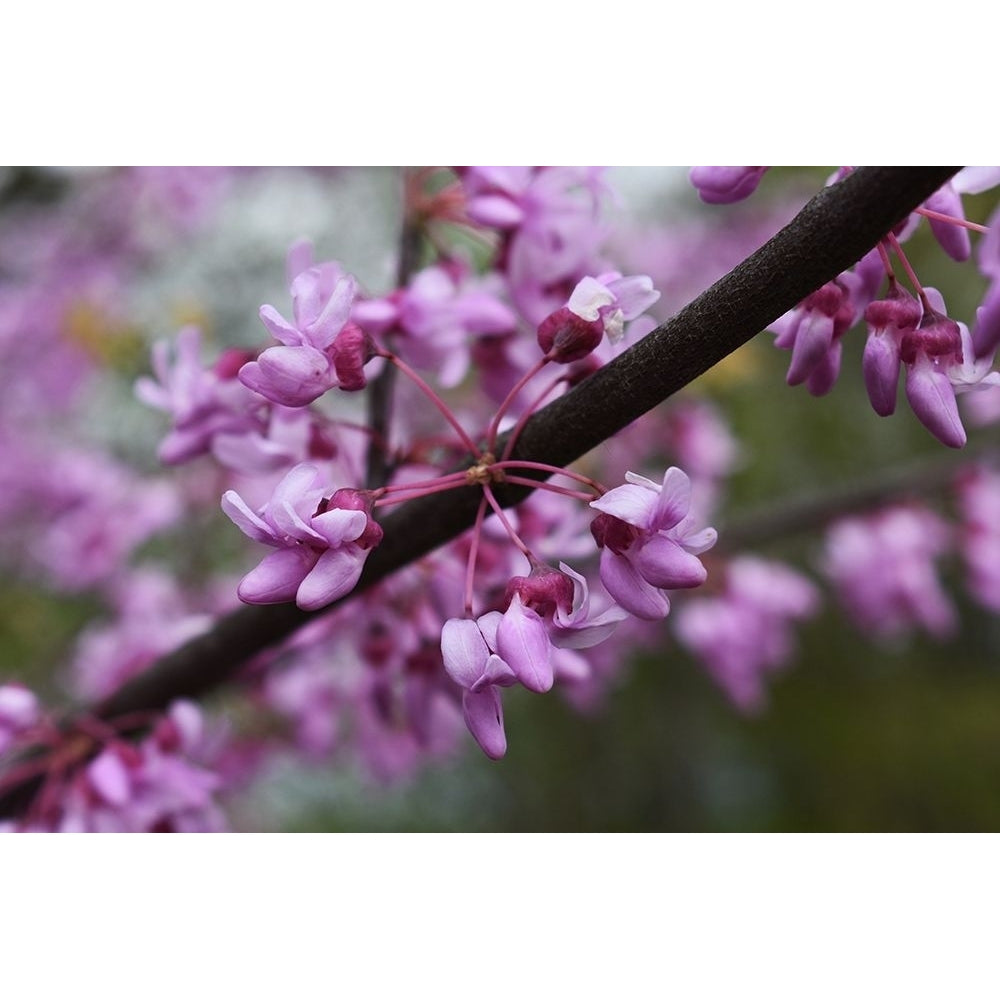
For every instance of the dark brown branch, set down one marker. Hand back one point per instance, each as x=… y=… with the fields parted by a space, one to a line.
x=380 y=389
x=830 y=234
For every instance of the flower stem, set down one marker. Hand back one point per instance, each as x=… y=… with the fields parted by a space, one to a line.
x=438 y=402
x=498 y=510
x=491 y=434
x=553 y=470
x=526 y=416
x=470 y=569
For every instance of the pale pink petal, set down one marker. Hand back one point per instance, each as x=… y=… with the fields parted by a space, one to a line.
x=632 y=504
x=334 y=575
x=279 y=327
x=483 y=713
x=523 y=641
x=630 y=590
x=674 y=501
x=665 y=564
x=235 y=508
x=277 y=577
x=933 y=401
x=464 y=651
x=338 y=526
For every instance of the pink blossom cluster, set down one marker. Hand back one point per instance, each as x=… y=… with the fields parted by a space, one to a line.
x=275 y=429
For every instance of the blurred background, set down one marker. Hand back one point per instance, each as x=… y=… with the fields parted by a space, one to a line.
x=856 y=734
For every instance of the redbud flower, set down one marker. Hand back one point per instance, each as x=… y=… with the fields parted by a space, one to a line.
x=648 y=542
x=322 y=543
x=888 y=320
x=597 y=306
x=304 y=368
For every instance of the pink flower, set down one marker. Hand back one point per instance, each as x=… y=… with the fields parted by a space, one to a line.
x=724 y=185
x=597 y=306
x=321 y=349
x=648 y=542
x=321 y=543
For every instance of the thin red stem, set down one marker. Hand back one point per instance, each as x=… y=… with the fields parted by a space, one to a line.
x=954 y=220
x=491 y=434
x=886 y=262
x=470 y=568
x=498 y=510
x=553 y=470
x=551 y=487
x=442 y=488
x=910 y=273
x=441 y=406
x=526 y=416
x=420 y=484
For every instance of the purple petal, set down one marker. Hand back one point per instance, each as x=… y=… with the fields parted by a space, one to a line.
x=630 y=590
x=235 y=508
x=109 y=778
x=334 y=575
x=279 y=327
x=277 y=577
x=954 y=239
x=323 y=331
x=483 y=713
x=523 y=641
x=698 y=541
x=464 y=650
x=933 y=400
x=880 y=365
x=633 y=504
x=337 y=525
x=824 y=376
x=494 y=210
x=635 y=294
x=674 y=500
x=664 y=564
x=986 y=334
x=488 y=625
x=291 y=376
x=812 y=340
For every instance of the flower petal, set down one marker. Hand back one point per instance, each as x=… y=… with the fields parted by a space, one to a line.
x=464 y=650
x=630 y=590
x=664 y=564
x=483 y=713
x=277 y=576
x=633 y=504
x=236 y=509
x=523 y=641
x=335 y=574
x=674 y=500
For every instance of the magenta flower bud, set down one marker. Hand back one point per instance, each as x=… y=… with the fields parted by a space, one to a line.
x=231 y=361
x=350 y=499
x=566 y=337
x=899 y=310
x=352 y=350
x=545 y=590
x=936 y=337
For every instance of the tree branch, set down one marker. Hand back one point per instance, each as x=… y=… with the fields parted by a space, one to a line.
x=830 y=234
